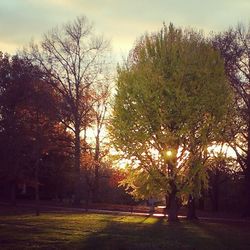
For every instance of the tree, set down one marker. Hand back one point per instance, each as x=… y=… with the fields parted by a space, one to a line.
x=234 y=46
x=29 y=128
x=43 y=128
x=100 y=147
x=8 y=102
x=74 y=59
x=171 y=98
x=221 y=169
x=17 y=77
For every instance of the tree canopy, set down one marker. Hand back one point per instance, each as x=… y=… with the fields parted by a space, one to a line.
x=172 y=94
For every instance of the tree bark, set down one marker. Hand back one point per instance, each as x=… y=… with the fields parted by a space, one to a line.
x=37 y=197
x=191 y=214
x=95 y=196
x=13 y=193
x=247 y=186
x=247 y=177
x=87 y=201
x=77 y=165
x=201 y=201
x=215 y=192
x=173 y=207
x=96 y=178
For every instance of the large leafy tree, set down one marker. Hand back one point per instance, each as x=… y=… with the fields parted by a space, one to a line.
x=234 y=46
x=171 y=98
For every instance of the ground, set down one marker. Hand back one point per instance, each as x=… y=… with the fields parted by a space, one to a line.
x=61 y=230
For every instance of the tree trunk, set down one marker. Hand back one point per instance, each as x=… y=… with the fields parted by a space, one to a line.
x=247 y=186
x=215 y=192
x=87 y=201
x=37 y=197
x=96 y=184
x=201 y=201
x=97 y=165
x=173 y=207
x=247 y=177
x=37 y=163
x=77 y=155
x=215 y=203
x=13 y=193
x=191 y=214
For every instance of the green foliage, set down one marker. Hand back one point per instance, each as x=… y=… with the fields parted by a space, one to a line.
x=172 y=94
x=142 y=184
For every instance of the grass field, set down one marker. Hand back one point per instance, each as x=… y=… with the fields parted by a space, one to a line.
x=102 y=231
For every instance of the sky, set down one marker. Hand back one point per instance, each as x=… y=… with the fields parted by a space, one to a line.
x=121 y=21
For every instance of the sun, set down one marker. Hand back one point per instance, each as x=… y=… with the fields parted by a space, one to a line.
x=169 y=153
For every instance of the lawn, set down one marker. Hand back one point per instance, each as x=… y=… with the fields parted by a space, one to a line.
x=103 y=231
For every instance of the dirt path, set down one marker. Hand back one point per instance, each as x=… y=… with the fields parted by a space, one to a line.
x=63 y=209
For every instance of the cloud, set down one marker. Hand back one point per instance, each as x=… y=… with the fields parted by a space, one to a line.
x=122 y=21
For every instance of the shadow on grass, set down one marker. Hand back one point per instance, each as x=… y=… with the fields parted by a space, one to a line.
x=156 y=235
x=99 y=231
x=229 y=235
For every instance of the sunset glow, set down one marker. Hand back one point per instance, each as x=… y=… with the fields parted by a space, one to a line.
x=124 y=122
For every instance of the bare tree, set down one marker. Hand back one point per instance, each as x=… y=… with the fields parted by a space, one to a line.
x=100 y=116
x=234 y=46
x=94 y=161
x=75 y=59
